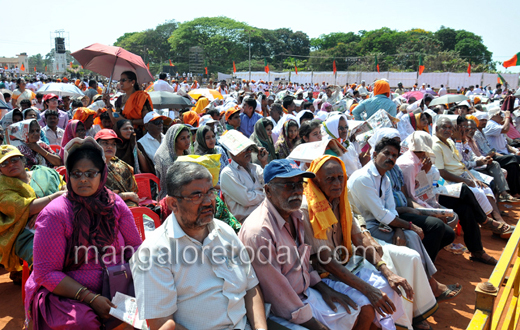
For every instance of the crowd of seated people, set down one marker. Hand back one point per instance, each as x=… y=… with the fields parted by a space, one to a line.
x=343 y=241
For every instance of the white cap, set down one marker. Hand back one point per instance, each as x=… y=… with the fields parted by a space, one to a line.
x=494 y=111
x=206 y=119
x=151 y=116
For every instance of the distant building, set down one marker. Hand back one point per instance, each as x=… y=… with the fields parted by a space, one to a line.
x=15 y=62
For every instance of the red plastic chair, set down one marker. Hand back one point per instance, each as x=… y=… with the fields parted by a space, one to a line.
x=62 y=171
x=143 y=185
x=25 y=276
x=56 y=148
x=138 y=213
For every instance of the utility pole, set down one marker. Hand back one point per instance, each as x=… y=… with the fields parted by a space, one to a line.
x=249 y=32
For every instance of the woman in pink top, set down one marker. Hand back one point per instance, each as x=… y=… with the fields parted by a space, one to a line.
x=62 y=292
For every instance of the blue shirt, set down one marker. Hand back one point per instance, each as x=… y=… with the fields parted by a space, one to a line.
x=371 y=105
x=247 y=125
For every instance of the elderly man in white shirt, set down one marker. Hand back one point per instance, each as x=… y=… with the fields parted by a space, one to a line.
x=242 y=182
x=152 y=139
x=495 y=131
x=161 y=85
x=192 y=269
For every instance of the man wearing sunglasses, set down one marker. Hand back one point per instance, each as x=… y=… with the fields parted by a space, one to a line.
x=151 y=141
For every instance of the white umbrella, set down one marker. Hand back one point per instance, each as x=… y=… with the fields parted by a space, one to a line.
x=449 y=98
x=61 y=89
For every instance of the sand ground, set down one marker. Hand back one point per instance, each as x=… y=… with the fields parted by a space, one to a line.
x=454 y=314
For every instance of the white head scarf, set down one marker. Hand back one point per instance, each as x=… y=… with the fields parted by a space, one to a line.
x=380 y=133
x=300 y=114
x=331 y=125
x=420 y=141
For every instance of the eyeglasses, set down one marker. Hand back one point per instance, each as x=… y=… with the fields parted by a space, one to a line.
x=88 y=174
x=198 y=198
x=11 y=160
x=123 y=80
x=291 y=186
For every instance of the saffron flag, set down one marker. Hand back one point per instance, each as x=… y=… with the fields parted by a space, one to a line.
x=34 y=69
x=22 y=68
x=421 y=65
x=5 y=67
x=377 y=65
x=234 y=67
x=45 y=68
x=206 y=66
x=71 y=65
x=295 y=68
x=469 y=69
x=266 y=66
x=512 y=62
x=148 y=65
x=334 y=66
x=171 y=64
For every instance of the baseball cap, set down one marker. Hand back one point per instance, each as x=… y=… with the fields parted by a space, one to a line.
x=50 y=96
x=231 y=111
x=106 y=134
x=151 y=116
x=284 y=168
x=8 y=151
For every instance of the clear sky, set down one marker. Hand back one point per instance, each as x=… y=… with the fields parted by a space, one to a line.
x=27 y=26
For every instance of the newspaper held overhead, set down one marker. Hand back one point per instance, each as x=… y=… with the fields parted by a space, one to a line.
x=235 y=142
x=307 y=152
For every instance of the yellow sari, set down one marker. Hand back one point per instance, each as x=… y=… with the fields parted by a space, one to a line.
x=15 y=200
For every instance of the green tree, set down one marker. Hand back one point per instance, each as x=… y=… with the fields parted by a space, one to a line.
x=331 y=40
x=38 y=62
x=152 y=44
x=222 y=39
x=448 y=38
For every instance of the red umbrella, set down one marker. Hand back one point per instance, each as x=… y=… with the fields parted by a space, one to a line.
x=111 y=61
x=417 y=94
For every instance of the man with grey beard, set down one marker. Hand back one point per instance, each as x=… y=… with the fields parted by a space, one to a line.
x=189 y=273
x=274 y=237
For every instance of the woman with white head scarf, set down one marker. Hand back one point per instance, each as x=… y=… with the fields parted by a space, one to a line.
x=418 y=157
x=336 y=128
x=380 y=133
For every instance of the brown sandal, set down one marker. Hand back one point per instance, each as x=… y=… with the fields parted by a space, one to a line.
x=500 y=229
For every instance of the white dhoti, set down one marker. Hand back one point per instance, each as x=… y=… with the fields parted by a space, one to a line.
x=322 y=312
x=407 y=263
x=336 y=320
x=481 y=196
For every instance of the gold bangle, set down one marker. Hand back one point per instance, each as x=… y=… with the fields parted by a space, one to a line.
x=79 y=292
x=379 y=264
x=90 y=302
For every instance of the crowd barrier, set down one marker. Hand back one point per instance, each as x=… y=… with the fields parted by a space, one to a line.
x=497 y=301
x=448 y=79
